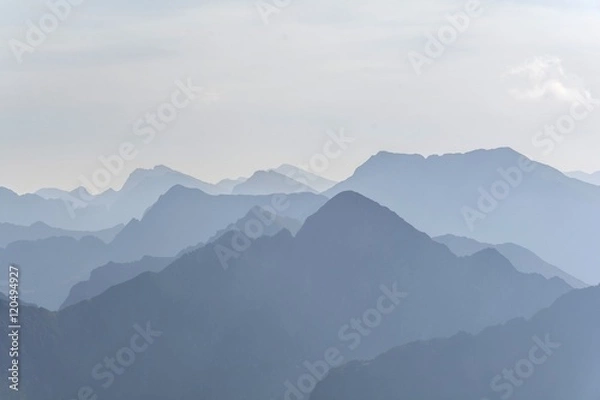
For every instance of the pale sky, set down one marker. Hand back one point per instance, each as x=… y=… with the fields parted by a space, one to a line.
x=274 y=90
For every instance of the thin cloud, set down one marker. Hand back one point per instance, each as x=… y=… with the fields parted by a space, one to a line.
x=544 y=78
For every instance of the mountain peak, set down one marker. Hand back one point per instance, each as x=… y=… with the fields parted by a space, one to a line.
x=498 y=151
x=268 y=182
x=350 y=211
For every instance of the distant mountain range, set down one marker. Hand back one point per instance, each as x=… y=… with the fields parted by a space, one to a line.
x=593 y=178
x=533 y=205
x=523 y=260
x=245 y=224
x=79 y=210
x=12 y=233
x=102 y=278
x=314 y=181
x=267 y=182
x=249 y=288
x=284 y=179
x=284 y=301
x=553 y=356
x=181 y=218
x=184 y=217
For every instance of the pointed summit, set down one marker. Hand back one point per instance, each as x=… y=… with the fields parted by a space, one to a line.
x=352 y=213
x=267 y=182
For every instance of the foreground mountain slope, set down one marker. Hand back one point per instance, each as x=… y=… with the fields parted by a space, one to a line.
x=553 y=356
x=523 y=260
x=247 y=330
x=433 y=193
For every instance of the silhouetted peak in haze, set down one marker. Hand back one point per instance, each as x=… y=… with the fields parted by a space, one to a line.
x=268 y=182
x=158 y=172
x=314 y=181
x=351 y=212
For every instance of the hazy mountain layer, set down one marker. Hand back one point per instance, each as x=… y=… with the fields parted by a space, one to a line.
x=493 y=196
x=181 y=218
x=523 y=260
x=553 y=356
x=355 y=281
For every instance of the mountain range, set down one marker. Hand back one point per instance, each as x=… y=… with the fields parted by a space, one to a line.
x=81 y=211
x=493 y=196
x=103 y=278
x=253 y=329
x=266 y=182
x=441 y=277
x=593 y=178
x=181 y=218
x=523 y=260
x=13 y=233
x=553 y=355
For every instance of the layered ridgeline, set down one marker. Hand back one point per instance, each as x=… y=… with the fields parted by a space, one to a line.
x=79 y=210
x=10 y=233
x=355 y=281
x=553 y=356
x=305 y=177
x=181 y=218
x=266 y=182
x=522 y=259
x=593 y=178
x=494 y=196
x=284 y=179
x=82 y=211
x=112 y=274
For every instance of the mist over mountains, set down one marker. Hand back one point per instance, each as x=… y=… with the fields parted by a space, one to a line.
x=522 y=259
x=282 y=302
x=296 y=200
x=181 y=218
x=551 y=356
x=493 y=196
x=410 y=279
x=593 y=178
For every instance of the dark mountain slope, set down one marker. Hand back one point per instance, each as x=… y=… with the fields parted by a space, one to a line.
x=552 y=356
